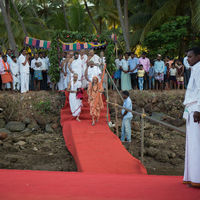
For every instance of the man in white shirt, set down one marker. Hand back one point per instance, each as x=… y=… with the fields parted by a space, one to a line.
x=37 y=66
x=44 y=70
x=9 y=56
x=14 y=67
x=76 y=67
x=187 y=71
x=93 y=69
x=24 y=66
x=83 y=57
x=192 y=116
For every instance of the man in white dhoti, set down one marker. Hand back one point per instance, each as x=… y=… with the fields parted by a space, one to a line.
x=93 y=68
x=76 y=67
x=192 y=116
x=74 y=101
x=83 y=57
x=24 y=66
x=14 y=67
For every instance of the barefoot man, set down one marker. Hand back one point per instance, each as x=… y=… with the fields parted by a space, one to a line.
x=192 y=116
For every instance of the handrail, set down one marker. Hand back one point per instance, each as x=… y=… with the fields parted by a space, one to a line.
x=149 y=118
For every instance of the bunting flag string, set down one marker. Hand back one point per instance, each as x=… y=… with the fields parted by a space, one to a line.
x=77 y=46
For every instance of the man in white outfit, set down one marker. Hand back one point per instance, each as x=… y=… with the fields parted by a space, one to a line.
x=76 y=67
x=192 y=116
x=23 y=61
x=93 y=67
x=83 y=57
x=14 y=67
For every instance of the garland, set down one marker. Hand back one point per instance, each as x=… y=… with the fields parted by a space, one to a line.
x=61 y=38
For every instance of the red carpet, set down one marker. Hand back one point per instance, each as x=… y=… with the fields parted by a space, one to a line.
x=43 y=185
x=110 y=172
x=95 y=148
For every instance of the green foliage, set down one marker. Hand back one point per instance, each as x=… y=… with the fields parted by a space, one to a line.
x=169 y=38
x=43 y=106
x=72 y=36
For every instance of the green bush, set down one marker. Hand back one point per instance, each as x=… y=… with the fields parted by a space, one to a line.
x=43 y=106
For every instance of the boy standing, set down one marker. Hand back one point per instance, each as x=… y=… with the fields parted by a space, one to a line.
x=127 y=117
x=141 y=74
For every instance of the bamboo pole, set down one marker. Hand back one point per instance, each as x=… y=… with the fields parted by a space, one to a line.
x=150 y=118
x=107 y=97
x=116 y=117
x=114 y=84
x=142 y=136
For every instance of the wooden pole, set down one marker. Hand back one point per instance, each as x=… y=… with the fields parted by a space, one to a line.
x=142 y=136
x=116 y=116
x=107 y=97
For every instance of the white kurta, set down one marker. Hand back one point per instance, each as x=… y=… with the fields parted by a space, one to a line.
x=77 y=68
x=84 y=66
x=192 y=104
x=14 y=67
x=75 y=104
x=24 y=74
x=94 y=71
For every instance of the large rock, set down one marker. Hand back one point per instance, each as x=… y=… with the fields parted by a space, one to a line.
x=2 y=123
x=48 y=128
x=26 y=120
x=15 y=126
x=33 y=126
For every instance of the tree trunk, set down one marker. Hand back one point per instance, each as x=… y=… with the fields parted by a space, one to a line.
x=100 y=25
x=11 y=39
x=65 y=15
x=90 y=15
x=20 y=18
x=35 y=13
x=126 y=18
x=123 y=25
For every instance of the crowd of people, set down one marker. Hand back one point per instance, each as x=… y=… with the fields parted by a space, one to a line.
x=143 y=73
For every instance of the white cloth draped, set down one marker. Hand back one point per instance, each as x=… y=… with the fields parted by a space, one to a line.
x=192 y=104
x=75 y=104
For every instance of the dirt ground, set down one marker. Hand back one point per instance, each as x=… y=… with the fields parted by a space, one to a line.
x=36 y=148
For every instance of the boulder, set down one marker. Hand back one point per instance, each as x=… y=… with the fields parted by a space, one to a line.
x=26 y=121
x=48 y=128
x=2 y=123
x=15 y=126
x=20 y=143
x=33 y=126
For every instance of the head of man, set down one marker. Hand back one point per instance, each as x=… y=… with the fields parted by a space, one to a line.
x=95 y=80
x=41 y=55
x=125 y=94
x=91 y=63
x=133 y=55
x=193 y=56
x=4 y=57
x=36 y=56
x=76 y=54
x=91 y=53
x=9 y=52
x=14 y=59
x=144 y=55
x=71 y=53
x=120 y=56
x=23 y=52
x=159 y=57
x=82 y=52
x=167 y=59
x=44 y=54
x=126 y=56
x=101 y=54
x=75 y=76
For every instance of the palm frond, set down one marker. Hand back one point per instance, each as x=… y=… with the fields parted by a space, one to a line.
x=195 y=20
x=166 y=11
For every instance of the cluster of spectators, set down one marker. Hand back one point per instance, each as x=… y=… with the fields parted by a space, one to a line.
x=145 y=74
